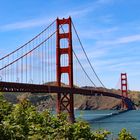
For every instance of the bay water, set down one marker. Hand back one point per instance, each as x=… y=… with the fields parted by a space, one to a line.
x=129 y=120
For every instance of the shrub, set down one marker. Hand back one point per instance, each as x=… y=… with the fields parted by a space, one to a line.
x=125 y=135
x=23 y=122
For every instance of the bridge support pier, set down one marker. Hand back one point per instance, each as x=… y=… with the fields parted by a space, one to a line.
x=64 y=100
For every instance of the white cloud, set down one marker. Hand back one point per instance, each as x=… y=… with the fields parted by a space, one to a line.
x=96 y=33
x=106 y=19
x=42 y=21
x=25 y=24
x=129 y=39
x=79 y=13
x=120 y=40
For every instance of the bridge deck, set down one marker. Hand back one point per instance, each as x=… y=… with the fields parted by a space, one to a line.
x=34 y=88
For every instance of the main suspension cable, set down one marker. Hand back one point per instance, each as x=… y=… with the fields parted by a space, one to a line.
x=86 y=55
x=27 y=42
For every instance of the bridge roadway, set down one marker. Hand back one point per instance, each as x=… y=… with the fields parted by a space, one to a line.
x=35 y=88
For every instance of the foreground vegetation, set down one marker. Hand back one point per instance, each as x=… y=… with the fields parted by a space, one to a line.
x=23 y=122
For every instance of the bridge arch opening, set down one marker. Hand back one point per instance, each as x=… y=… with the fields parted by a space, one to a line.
x=64 y=43
x=64 y=59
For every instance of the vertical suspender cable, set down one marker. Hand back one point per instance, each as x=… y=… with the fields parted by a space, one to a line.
x=45 y=62
x=26 y=67
x=42 y=63
x=8 y=71
x=49 y=57
x=5 y=73
x=17 y=69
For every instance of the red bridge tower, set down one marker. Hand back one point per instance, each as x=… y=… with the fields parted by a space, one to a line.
x=64 y=100
x=124 y=87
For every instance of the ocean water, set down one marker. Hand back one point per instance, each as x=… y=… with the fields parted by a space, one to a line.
x=129 y=120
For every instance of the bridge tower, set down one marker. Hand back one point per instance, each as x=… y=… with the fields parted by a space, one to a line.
x=64 y=100
x=124 y=88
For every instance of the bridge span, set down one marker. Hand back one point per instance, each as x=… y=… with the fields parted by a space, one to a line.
x=35 y=88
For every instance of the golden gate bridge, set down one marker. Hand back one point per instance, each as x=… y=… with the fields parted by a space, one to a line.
x=51 y=56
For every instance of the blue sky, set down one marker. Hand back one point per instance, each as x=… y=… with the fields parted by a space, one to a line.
x=109 y=31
